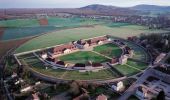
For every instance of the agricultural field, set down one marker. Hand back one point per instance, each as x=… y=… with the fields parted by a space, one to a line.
x=73 y=22
x=22 y=32
x=67 y=35
x=38 y=66
x=21 y=28
x=118 y=24
x=14 y=23
x=83 y=57
x=110 y=50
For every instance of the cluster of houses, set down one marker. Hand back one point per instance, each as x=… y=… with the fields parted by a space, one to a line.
x=151 y=22
x=155 y=53
x=127 y=53
x=152 y=86
x=142 y=92
x=159 y=58
x=19 y=86
x=90 y=42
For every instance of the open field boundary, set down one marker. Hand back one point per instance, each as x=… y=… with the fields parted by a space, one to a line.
x=54 y=79
x=31 y=51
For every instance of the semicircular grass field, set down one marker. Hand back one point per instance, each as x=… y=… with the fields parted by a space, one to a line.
x=129 y=69
x=67 y=35
x=34 y=63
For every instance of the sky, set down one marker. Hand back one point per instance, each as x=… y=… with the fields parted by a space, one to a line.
x=76 y=3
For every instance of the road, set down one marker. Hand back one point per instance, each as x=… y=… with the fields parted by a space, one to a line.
x=131 y=90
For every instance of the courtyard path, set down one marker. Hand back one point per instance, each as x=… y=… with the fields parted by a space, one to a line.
x=101 y=54
x=133 y=67
x=62 y=76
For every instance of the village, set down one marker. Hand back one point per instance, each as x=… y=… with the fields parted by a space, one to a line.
x=93 y=52
x=147 y=85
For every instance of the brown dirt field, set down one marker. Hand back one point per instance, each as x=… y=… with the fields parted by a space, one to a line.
x=1 y=32
x=43 y=21
x=7 y=45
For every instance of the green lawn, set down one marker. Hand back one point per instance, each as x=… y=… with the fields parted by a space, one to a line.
x=138 y=65
x=126 y=70
x=37 y=65
x=67 y=35
x=139 y=52
x=83 y=57
x=109 y=50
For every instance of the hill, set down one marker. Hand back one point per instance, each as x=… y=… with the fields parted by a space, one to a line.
x=151 y=8
x=135 y=10
x=112 y=10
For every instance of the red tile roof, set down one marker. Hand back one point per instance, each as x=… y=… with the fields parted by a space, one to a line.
x=61 y=48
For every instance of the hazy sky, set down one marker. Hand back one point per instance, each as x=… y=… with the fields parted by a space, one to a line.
x=75 y=3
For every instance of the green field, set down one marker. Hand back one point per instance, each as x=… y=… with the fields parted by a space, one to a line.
x=38 y=66
x=19 y=23
x=65 y=36
x=109 y=50
x=52 y=21
x=83 y=57
x=22 y=32
x=72 y=22
x=131 y=68
x=20 y=28
x=126 y=70
x=138 y=65
x=139 y=52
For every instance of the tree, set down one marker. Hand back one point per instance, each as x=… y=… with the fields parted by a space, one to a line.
x=161 y=95
x=74 y=88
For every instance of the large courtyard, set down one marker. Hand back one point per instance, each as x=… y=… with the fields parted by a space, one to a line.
x=110 y=50
x=83 y=57
x=97 y=54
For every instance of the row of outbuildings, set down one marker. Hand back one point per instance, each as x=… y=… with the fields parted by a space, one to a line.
x=51 y=54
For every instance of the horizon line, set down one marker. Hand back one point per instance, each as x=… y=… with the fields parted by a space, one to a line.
x=80 y=7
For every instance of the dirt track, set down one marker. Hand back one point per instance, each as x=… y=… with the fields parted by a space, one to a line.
x=1 y=32
x=43 y=21
x=7 y=45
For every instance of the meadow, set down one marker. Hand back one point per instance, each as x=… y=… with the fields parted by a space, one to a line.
x=83 y=57
x=35 y=64
x=68 y=35
x=21 y=28
x=129 y=69
x=109 y=50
